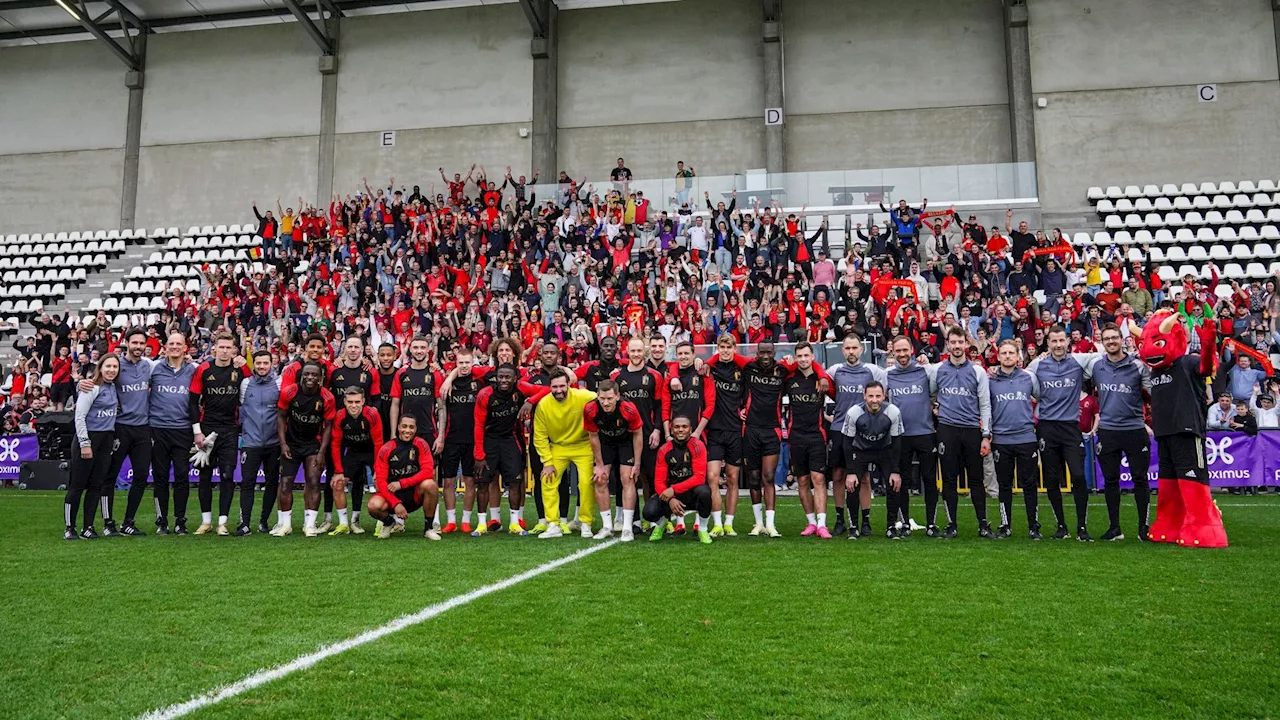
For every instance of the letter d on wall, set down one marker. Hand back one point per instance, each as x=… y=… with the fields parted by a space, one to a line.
x=772 y=116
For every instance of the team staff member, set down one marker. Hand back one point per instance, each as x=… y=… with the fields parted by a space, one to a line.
x=1061 y=376
x=643 y=386
x=404 y=474
x=174 y=411
x=216 y=388
x=304 y=426
x=260 y=443
x=548 y=365
x=1013 y=436
x=964 y=429
x=501 y=409
x=616 y=430
x=723 y=436
x=689 y=395
x=680 y=482
x=807 y=389
x=133 y=432
x=357 y=438
x=95 y=420
x=874 y=431
x=850 y=378
x=560 y=439
x=352 y=371
x=455 y=445
x=763 y=377
x=911 y=387
x=1121 y=380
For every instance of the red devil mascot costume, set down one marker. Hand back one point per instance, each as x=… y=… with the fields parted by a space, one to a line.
x=1185 y=511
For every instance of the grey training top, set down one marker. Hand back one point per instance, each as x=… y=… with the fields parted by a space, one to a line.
x=96 y=412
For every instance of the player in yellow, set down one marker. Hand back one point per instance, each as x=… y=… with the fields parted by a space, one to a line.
x=560 y=439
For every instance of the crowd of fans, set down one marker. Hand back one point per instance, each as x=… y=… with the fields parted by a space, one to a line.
x=481 y=257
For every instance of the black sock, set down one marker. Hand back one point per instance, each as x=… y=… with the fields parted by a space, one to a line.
x=1112 y=491
x=840 y=515
x=866 y=516
x=1142 y=497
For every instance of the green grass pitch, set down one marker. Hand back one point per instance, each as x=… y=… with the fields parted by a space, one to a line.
x=745 y=628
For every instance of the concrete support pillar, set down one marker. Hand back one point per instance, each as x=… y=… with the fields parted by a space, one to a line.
x=1017 y=45
x=1275 y=18
x=775 y=148
x=545 y=150
x=133 y=80
x=328 y=116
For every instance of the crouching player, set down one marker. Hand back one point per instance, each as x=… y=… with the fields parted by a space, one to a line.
x=680 y=481
x=357 y=438
x=404 y=474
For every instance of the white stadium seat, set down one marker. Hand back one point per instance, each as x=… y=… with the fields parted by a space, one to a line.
x=1177 y=254
x=1143 y=237
x=1096 y=193
x=1242 y=201
x=1182 y=204
x=1222 y=202
x=1214 y=218
x=1197 y=253
x=1174 y=220
x=1114 y=192
x=1081 y=238
x=1135 y=255
x=1102 y=238
x=1133 y=222
x=1263 y=200
x=1263 y=251
x=1106 y=207
x=1164 y=236
x=1235 y=217
x=1241 y=251
x=1256 y=217
x=1113 y=222
x=1157 y=255
x=1168 y=274
x=1170 y=190
x=1208 y=188
x=1249 y=234
x=1232 y=271
x=1269 y=232
x=1132 y=192
x=1227 y=234
x=1163 y=205
x=1151 y=191
x=1154 y=220
x=1206 y=235
x=1143 y=205
x=1256 y=271
x=1227 y=188
x=1219 y=253
x=1124 y=206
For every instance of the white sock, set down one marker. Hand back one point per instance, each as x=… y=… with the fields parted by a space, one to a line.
x=466 y=516
x=822 y=519
x=342 y=516
x=627 y=517
x=768 y=518
x=684 y=519
x=606 y=520
x=483 y=517
x=284 y=517
x=222 y=519
x=758 y=510
x=715 y=515
x=399 y=520
x=355 y=517
x=452 y=515
x=206 y=517
x=309 y=518
x=728 y=520
x=435 y=520
x=702 y=523
x=328 y=518
x=619 y=514
x=813 y=520
x=516 y=514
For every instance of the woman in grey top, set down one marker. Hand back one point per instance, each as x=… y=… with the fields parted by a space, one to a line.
x=95 y=433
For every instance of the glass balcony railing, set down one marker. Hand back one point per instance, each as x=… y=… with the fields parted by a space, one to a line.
x=837 y=188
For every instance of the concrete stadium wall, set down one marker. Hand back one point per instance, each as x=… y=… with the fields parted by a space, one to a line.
x=62 y=130
x=1120 y=79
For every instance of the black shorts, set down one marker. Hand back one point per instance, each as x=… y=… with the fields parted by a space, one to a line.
x=861 y=461
x=617 y=455
x=838 y=450
x=760 y=443
x=356 y=467
x=724 y=446
x=455 y=456
x=808 y=454
x=289 y=466
x=1181 y=457
x=502 y=459
x=61 y=392
x=409 y=498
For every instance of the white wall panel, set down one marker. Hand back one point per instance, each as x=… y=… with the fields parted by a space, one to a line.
x=60 y=191
x=69 y=96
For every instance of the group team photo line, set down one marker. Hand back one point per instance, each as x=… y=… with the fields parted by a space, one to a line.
x=640 y=432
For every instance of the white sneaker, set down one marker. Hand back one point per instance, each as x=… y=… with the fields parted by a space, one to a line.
x=325 y=527
x=356 y=529
x=382 y=532
x=552 y=531
x=222 y=529
x=586 y=531
x=397 y=527
x=431 y=534
x=604 y=534
x=756 y=530
x=772 y=532
x=914 y=525
x=310 y=531
x=574 y=526
x=281 y=530
x=627 y=535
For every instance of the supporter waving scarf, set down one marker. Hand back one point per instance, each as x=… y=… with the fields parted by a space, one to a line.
x=1241 y=349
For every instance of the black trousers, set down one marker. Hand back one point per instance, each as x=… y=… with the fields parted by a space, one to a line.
x=268 y=460
x=961 y=451
x=223 y=458
x=1062 y=452
x=1024 y=458
x=133 y=442
x=1135 y=445
x=922 y=449
x=171 y=451
x=699 y=498
x=88 y=477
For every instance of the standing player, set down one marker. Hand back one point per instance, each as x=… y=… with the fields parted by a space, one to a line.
x=850 y=378
x=560 y=439
x=724 y=434
x=644 y=387
x=304 y=426
x=1061 y=376
x=964 y=429
x=352 y=371
x=1013 y=436
x=384 y=375
x=312 y=351
x=500 y=410
x=616 y=433
x=688 y=395
x=173 y=413
x=404 y=475
x=413 y=392
x=680 y=482
x=216 y=388
x=260 y=443
x=133 y=432
x=807 y=389
x=911 y=388
x=455 y=445
x=593 y=373
x=658 y=354
x=762 y=436
x=1122 y=379
x=357 y=438
x=874 y=432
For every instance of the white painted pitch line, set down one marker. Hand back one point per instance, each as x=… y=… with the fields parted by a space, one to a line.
x=305 y=662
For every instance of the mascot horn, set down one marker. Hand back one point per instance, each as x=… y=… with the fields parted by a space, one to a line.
x=1185 y=511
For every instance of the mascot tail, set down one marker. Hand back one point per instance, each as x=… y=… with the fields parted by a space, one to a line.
x=1170 y=512
x=1202 y=523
